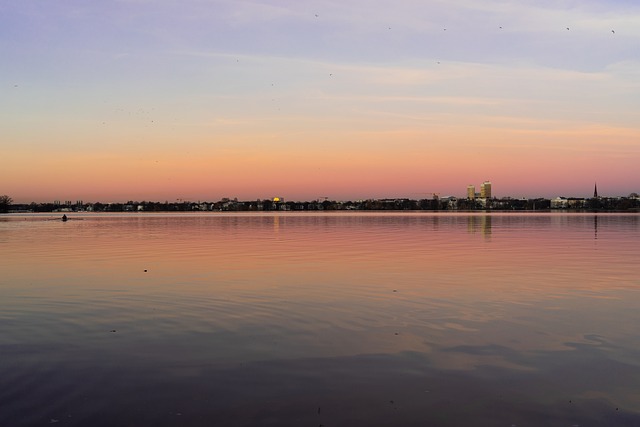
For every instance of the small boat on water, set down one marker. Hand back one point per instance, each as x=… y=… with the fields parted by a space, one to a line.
x=64 y=218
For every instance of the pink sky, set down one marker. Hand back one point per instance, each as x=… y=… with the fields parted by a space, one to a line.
x=201 y=101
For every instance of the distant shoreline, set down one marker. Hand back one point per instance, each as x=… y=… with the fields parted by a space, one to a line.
x=447 y=204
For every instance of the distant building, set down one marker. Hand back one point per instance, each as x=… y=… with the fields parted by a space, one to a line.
x=559 y=203
x=471 y=192
x=485 y=190
x=595 y=190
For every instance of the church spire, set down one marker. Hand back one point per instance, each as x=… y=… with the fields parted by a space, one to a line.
x=595 y=190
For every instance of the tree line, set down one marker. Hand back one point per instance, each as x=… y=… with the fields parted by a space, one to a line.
x=631 y=203
x=5 y=203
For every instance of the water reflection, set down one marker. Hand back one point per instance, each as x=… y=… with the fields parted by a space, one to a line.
x=375 y=319
x=480 y=224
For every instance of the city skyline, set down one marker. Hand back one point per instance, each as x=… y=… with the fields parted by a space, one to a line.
x=132 y=100
x=471 y=195
x=486 y=191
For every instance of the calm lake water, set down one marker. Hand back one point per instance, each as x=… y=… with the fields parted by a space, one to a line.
x=320 y=320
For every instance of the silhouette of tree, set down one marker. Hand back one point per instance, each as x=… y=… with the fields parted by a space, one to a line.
x=5 y=202
x=327 y=205
x=594 y=204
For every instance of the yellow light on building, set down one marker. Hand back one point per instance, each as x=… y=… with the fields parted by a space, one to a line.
x=485 y=190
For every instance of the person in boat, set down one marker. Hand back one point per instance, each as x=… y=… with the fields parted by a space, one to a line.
x=64 y=217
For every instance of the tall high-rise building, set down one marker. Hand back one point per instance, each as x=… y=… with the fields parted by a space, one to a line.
x=485 y=190
x=471 y=192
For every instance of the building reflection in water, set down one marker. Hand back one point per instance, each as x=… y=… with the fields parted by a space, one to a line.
x=481 y=224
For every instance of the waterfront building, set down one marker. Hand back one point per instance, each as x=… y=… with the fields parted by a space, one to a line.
x=485 y=190
x=471 y=192
x=559 y=203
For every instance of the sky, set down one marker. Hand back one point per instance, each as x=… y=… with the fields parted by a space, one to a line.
x=346 y=99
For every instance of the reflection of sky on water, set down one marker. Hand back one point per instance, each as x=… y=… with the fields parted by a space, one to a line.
x=322 y=308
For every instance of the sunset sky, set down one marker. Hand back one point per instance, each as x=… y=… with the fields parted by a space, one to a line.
x=347 y=99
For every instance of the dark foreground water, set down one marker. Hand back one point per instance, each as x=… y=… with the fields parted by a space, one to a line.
x=320 y=320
